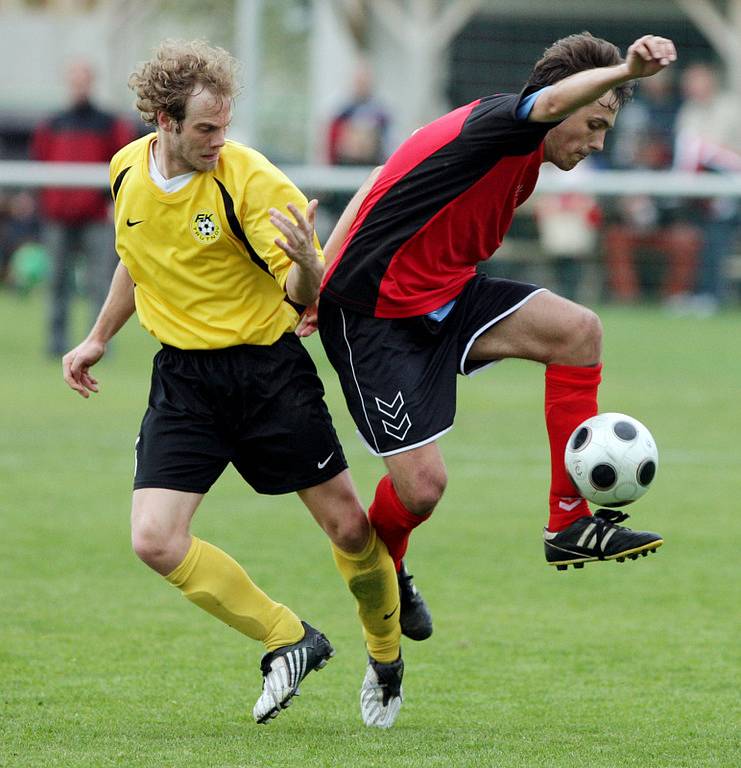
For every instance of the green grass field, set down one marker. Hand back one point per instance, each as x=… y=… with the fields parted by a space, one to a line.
x=104 y=664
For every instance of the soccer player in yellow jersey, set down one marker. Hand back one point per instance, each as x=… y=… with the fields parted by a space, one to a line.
x=196 y=220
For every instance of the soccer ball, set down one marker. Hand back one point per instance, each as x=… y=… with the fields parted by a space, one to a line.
x=612 y=459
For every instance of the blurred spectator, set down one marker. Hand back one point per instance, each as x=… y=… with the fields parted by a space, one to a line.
x=568 y=226
x=27 y=263
x=649 y=226
x=357 y=135
x=653 y=111
x=75 y=221
x=5 y=250
x=708 y=139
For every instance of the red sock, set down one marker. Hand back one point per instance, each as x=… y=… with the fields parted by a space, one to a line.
x=392 y=520
x=570 y=397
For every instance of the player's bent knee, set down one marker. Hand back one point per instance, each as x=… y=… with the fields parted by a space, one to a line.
x=350 y=535
x=421 y=495
x=152 y=549
x=582 y=344
x=337 y=509
x=591 y=342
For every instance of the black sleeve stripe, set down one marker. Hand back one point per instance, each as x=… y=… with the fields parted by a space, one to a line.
x=236 y=228
x=119 y=180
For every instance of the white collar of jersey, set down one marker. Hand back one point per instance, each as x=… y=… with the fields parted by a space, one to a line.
x=174 y=184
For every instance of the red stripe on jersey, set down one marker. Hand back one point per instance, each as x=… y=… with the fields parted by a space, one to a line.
x=425 y=143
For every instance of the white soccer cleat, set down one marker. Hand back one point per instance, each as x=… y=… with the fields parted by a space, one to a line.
x=381 y=694
x=285 y=668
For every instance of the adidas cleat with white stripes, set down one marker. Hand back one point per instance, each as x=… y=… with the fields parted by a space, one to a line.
x=284 y=668
x=381 y=694
x=590 y=539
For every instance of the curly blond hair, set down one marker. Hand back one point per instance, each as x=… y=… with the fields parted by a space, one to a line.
x=177 y=69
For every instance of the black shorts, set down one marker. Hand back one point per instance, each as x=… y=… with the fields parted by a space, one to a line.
x=399 y=376
x=259 y=407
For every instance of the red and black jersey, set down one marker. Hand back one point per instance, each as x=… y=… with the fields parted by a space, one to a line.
x=81 y=134
x=442 y=203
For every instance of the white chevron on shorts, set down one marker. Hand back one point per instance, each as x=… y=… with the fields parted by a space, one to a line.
x=391 y=409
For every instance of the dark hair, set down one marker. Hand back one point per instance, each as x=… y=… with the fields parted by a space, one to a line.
x=577 y=53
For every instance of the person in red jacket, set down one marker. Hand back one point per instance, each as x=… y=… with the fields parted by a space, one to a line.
x=75 y=221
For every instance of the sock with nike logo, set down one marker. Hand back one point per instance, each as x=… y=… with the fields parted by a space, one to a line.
x=371 y=577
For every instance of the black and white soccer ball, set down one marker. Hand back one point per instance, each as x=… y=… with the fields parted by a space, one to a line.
x=612 y=459
x=206 y=227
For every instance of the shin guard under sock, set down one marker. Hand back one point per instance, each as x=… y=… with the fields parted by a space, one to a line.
x=212 y=580
x=570 y=398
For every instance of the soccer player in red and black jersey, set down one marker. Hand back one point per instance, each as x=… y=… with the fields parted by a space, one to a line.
x=403 y=310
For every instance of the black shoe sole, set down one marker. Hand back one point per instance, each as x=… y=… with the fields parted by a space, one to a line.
x=632 y=554
x=417 y=634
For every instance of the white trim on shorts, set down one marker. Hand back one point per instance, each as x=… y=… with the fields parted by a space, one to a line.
x=486 y=327
x=404 y=448
x=357 y=385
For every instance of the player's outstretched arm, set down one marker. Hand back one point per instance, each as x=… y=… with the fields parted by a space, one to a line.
x=117 y=309
x=647 y=56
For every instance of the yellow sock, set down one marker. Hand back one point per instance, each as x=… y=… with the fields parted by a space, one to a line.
x=215 y=582
x=371 y=577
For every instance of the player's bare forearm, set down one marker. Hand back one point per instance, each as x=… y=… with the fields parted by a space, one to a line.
x=647 y=56
x=342 y=227
x=302 y=285
x=117 y=309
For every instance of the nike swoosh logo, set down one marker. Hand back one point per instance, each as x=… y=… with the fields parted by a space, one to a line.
x=322 y=464
x=387 y=616
x=130 y=223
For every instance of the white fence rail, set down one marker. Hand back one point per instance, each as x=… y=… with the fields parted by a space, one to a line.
x=333 y=179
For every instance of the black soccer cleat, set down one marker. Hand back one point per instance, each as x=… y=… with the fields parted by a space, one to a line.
x=381 y=693
x=414 y=615
x=590 y=539
x=284 y=668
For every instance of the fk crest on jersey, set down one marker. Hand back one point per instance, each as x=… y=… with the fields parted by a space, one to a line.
x=205 y=227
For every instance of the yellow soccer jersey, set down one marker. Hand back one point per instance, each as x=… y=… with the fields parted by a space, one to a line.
x=207 y=272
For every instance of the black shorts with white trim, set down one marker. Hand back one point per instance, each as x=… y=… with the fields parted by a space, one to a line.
x=399 y=375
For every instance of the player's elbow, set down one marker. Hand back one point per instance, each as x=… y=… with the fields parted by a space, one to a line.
x=548 y=108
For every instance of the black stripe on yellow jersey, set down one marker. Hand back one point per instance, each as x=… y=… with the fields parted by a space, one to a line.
x=117 y=182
